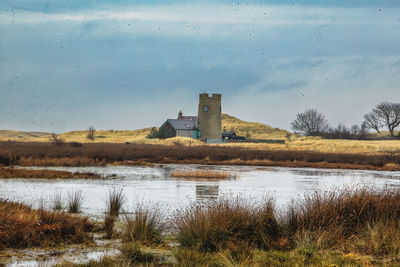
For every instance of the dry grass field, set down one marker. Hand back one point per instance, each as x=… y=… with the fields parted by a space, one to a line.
x=252 y=130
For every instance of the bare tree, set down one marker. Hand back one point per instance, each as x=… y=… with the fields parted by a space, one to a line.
x=311 y=123
x=384 y=114
x=55 y=139
x=91 y=133
x=372 y=121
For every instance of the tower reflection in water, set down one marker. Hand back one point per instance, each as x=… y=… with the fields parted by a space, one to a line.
x=206 y=192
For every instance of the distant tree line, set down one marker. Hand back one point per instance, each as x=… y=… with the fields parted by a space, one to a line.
x=314 y=123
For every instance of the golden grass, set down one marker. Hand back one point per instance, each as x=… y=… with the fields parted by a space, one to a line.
x=253 y=130
x=317 y=144
x=202 y=174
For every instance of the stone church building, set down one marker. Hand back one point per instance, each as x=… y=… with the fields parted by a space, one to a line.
x=206 y=126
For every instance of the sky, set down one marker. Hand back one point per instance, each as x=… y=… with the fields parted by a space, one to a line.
x=69 y=64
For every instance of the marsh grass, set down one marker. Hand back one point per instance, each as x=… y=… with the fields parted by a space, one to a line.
x=192 y=257
x=109 y=222
x=134 y=254
x=22 y=227
x=216 y=225
x=99 y=154
x=45 y=174
x=145 y=225
x=115 y=201
x=202 y=174
x=74 y=202
x=348 y=209
x=57 y=202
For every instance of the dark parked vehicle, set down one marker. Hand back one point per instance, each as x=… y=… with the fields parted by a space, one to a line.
x=232 y=136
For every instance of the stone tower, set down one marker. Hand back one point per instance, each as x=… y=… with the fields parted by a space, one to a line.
x=210 y=125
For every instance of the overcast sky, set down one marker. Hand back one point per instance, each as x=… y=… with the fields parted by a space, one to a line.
x=70 y=64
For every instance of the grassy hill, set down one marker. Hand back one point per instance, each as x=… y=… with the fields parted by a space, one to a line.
x=243 y=128
x=252 y=130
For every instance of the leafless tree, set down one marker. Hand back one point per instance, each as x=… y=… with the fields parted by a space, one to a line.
x=56 y=139
x=372 y=121
x=311 y=123
x=91 y=133
x=384 y=114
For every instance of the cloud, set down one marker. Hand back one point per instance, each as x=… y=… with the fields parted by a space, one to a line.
x=132 y=66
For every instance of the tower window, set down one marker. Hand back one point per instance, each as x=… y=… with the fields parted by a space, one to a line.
x=205 y=108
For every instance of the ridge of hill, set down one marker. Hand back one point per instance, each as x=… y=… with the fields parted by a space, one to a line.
x=253 y=130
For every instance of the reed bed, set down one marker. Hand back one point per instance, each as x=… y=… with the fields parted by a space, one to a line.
x=45 y=174
x=46 y=154
x=22 y=227
x=202 y=174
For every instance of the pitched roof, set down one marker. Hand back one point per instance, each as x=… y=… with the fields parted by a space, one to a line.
x=184 y=124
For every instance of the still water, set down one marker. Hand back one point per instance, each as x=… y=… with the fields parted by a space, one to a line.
x=156 y=186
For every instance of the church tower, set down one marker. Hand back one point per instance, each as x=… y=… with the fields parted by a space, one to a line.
x=209 y=115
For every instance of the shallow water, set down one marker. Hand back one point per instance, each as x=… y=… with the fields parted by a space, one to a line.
x=155 y=185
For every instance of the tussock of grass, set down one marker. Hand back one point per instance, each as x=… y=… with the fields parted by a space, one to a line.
x=57 y=202
x=146 y=225
x=109 y=222
x=202 y=174
x=135 y=255
x=115 y=201
x=192 y=257
x=216 y=225
x=74 y=202
x=22 y=227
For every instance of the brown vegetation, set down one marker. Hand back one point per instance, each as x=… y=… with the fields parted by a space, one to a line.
x=22 y=226
x=364 y=221
x=202 y=174
x=341 y=227
x=45 y=174
x=45 y=154
x=218 y=225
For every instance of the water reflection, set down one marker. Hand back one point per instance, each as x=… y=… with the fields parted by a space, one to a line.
x=206 y=192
